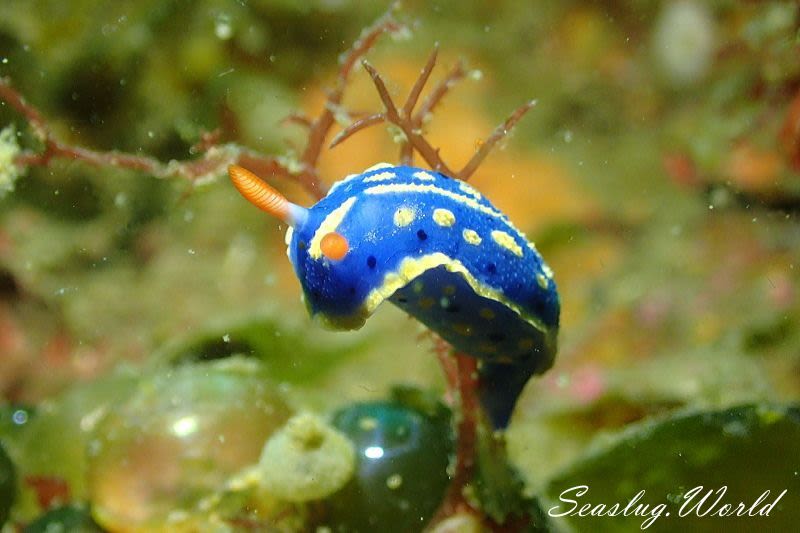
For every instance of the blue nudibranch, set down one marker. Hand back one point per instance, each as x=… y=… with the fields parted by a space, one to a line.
x=436 y=248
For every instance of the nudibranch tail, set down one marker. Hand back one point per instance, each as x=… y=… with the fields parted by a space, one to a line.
x=263 y=196
x=500 y=386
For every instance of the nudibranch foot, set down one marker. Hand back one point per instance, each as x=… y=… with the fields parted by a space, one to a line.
x=499 y=387
x=476 y=321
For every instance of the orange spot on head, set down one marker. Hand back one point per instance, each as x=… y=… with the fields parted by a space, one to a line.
x=334 y=246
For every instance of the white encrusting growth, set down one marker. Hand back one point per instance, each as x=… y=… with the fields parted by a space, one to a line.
x=9 y=149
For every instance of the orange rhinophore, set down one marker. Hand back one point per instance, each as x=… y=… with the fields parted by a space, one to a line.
x=263 y=196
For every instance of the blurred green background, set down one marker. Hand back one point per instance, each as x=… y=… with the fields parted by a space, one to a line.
x=659 y=175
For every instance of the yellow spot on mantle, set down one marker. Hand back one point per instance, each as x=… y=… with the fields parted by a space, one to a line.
x=541 y=280
x=404 y=216
x=487 y=348
x=471 y=236
x=444 y=217
x=426 y=303
x=507 y=241
x=462 y=329
x=487 y=313
x=449 y=290
x=525 y=344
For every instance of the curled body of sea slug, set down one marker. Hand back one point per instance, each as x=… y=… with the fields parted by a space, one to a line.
x=436 y=248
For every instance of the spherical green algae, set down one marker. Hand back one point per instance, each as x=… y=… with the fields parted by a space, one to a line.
x=306 y=460
x=50 y=441
x=402 y=456
x=69 y=518
x=179 y=437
